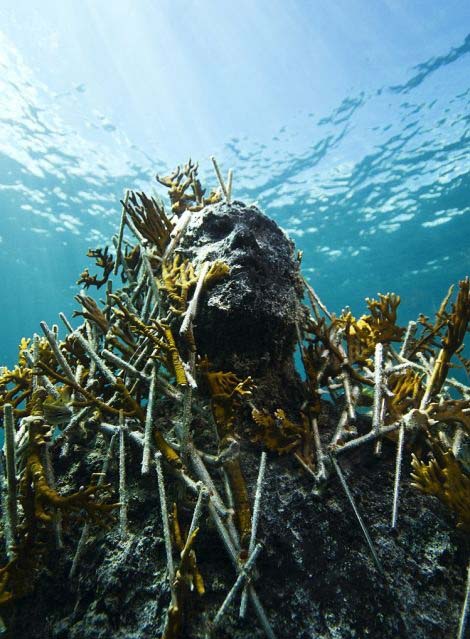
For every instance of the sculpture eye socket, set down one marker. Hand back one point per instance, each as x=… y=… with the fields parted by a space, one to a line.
x=220 y=227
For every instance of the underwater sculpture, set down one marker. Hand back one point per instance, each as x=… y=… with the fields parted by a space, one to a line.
x=243 y=486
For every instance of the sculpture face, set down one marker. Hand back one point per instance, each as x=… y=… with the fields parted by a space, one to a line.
x=253 y=311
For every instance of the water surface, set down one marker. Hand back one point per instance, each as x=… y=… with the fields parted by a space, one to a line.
x=348 y=125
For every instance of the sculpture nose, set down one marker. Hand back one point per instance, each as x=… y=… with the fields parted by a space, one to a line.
x=244 y=239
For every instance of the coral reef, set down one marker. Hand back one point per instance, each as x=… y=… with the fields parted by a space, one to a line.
x=180 y=388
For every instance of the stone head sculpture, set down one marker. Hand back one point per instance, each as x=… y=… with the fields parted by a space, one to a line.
x=247 y=320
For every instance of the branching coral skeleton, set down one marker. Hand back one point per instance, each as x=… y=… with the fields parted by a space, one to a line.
x=114 y=376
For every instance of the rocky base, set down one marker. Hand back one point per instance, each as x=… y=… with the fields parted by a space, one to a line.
x=315 y=575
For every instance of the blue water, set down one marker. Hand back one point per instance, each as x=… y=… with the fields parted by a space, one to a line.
x=349 y=125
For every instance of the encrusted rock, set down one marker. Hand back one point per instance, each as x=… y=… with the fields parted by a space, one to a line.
x=246 y=322
x=252 y=313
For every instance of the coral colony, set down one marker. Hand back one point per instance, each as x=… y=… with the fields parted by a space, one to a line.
x=135 y=357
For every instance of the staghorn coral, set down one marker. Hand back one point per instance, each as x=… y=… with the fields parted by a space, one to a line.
x=178 y=184
x=35 y=487
x=134 y=368
x=104 y=261
x=179 y=278
x=18 y=576
x=313 y=365
x=16 y=386
x=451 y=411
x=91 y=312
x=186 y=578
x=456 y=324
x=187 y=583
x=160 y=335
x=150 y=220
x=226 y=390
x=40 y=502
x=406 y=393
x=194 y=577
x=176 y=281
x=364 y=333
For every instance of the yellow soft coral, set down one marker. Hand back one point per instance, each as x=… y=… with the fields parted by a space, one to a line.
x=407 y=392
x=40 y=501
x=226 y=390
x=364 y=333
x=37 y=491
x=185 y=190
x=277 y=433
x=150 y=220
x=457 y=323
x=445 y=478
x=179 y=278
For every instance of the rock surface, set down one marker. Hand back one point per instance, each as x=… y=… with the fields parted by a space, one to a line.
x=316 y=576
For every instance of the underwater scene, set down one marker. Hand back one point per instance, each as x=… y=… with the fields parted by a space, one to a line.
x=234 y=366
